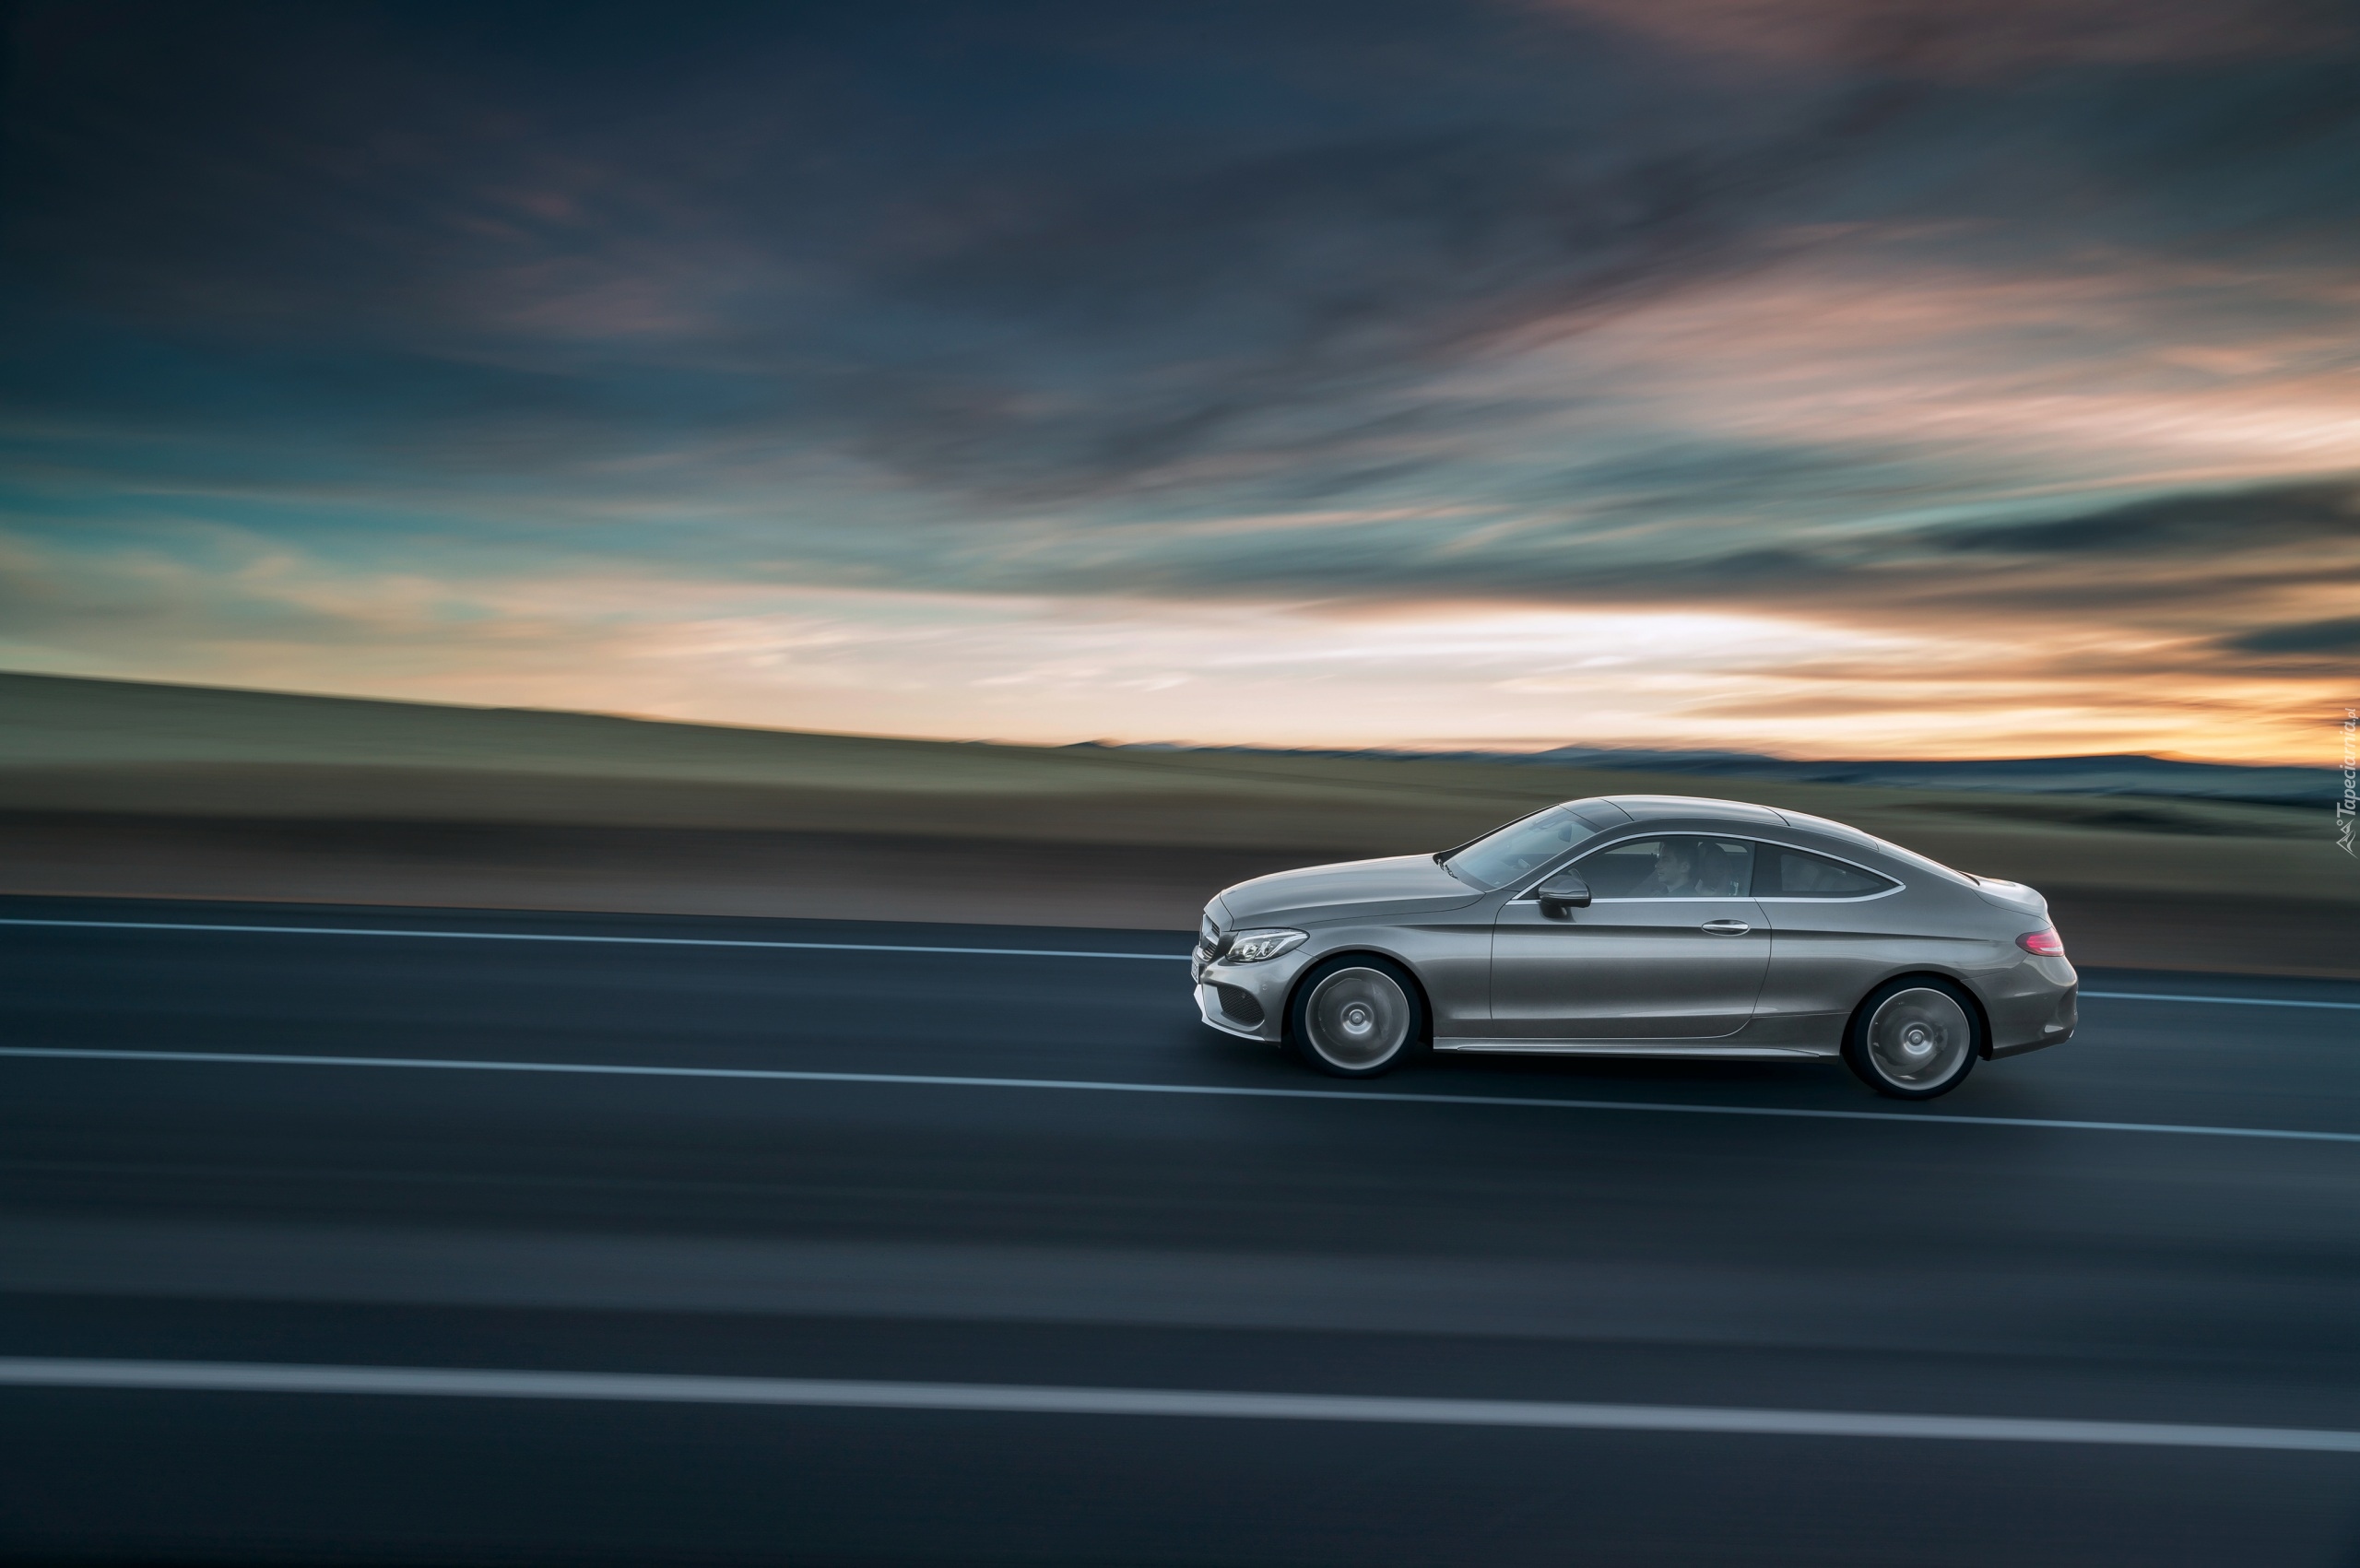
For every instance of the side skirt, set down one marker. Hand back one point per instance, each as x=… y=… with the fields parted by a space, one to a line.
x=1638 y=1048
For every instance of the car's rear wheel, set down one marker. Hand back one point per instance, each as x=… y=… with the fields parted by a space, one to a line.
x=1914 y=1038
x=1355 y=1017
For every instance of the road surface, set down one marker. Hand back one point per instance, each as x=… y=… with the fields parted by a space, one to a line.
x=348 y=1240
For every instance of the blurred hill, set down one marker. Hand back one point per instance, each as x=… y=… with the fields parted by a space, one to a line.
x=2111 y=774
x=124 y=787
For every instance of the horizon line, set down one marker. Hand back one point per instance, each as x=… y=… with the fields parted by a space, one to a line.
x=1505 y=749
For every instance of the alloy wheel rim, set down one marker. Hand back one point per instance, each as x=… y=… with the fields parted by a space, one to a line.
x=1919 y=1037
x=1357 y=1018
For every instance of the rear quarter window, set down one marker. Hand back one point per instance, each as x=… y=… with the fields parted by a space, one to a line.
x=1792 y=874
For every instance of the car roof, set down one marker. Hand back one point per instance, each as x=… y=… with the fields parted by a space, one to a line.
x=1643 y=809
x=1657 y=808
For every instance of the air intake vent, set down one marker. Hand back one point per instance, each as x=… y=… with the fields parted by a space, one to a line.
x=1239 y=1005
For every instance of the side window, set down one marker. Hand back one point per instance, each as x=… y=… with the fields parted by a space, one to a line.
x=1614 y=873
x=1724 y=869
x=1791 y=874
x=1670 y=869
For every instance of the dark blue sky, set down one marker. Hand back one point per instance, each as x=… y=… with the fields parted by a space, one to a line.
x=1820 y=377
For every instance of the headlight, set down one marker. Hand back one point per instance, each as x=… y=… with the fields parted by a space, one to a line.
x=1254 y=946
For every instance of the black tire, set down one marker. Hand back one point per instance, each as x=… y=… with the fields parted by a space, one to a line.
x=1915 y=1038
x=1355 y=1016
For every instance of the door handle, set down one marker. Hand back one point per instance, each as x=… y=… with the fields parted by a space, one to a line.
x=1727 y=928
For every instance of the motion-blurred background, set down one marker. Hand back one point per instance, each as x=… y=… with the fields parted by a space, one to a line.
x=1701 y=383
x=147 y=790
x=687 y=602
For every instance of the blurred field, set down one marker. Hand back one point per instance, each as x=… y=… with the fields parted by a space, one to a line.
x=124 y=788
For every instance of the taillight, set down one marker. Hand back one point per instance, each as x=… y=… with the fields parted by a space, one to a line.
x=2046 y=944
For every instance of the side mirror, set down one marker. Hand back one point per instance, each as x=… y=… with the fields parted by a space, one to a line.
x=1562 y=894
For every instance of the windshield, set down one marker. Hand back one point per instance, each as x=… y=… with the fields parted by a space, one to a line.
x=1500 y=858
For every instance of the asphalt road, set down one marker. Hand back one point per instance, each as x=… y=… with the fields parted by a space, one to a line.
x=925 y=1255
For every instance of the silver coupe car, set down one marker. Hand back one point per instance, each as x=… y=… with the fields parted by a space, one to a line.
x=1643 y=925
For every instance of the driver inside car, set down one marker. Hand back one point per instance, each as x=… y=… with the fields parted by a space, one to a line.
x=1718 y=872
x=1673 y=877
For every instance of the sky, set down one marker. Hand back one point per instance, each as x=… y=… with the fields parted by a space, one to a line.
x=1819 y=377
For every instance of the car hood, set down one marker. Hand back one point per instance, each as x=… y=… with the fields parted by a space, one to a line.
x=1400 y=884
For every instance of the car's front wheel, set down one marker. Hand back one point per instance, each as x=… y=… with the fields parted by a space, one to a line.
x=1914 y=1038
x=1355 y=1017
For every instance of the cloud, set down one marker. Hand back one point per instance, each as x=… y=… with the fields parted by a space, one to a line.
x=2337 y=636
x=1954 y=38
x=2210 y=525
x=1860 y=319
x=1437 y=673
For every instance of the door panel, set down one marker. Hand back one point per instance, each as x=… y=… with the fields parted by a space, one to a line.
x=1628 y=969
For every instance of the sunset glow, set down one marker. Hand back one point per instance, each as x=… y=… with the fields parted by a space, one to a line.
x=1671 y=376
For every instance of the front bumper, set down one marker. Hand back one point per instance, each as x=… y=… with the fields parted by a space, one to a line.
x=1249 y=1000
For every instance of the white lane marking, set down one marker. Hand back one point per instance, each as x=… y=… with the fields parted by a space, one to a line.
x=471 y=1383
x=872 y=948
x=581 y=937
x=2219 y=1001
x=1098 y=1086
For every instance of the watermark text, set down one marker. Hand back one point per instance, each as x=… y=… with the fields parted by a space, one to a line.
x=2345 y=807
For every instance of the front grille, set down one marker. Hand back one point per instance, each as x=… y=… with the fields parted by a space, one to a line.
x=1210 y=943
x=1239 y=1004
